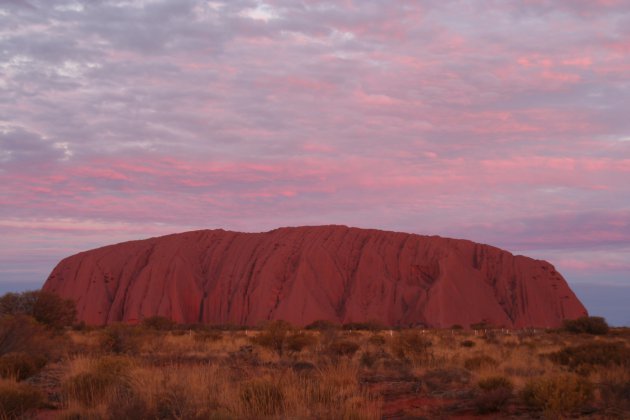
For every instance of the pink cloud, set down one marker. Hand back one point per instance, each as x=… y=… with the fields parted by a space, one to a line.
x=501 y=121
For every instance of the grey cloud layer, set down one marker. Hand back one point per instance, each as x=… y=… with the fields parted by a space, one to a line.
x=460 y=116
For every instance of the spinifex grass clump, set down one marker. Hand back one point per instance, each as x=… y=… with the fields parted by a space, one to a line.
x=20 y=365
x=480 y=362
x=559 y=395
x=104 y=380
x=493 y=394
x=18 y=399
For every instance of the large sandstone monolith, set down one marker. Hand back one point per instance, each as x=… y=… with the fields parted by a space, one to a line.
x=305 y=274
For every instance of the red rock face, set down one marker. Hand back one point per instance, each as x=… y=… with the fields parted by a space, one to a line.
x=309 y=273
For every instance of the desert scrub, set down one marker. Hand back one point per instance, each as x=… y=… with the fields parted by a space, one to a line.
x=180 y=391
x=467 y=343
x=334 y=392
x=480 y=362
x=273 y=336
x=208 y=336
x=343 y=347
x=614 y=388
x=493 y=394
x=123 y=339
x=583 y=357
x=376 y=340
x=557 y=396
x=104 y=381
x=412 y=346
x=18 y=399
x=21 y=333
x=595 y=325
x=20 y=365
x=262 y=397
x=297 y=341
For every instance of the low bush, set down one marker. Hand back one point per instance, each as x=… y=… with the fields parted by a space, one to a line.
x=21 y=333
x=160 y=323
x=558 y=395
x=20 y=365
x=47 y=308
x=480 y=362
x=616 y=395
x=262 y=397
x=494 y=392
x=376 y=340
x=584 y=356
x=273 y=336
x=129 y=405
x=482 y=325
x=296 y=342
x=467 y=343
x=595 y=325
x=208 y=336
x=18 y=399
x=495 y=382
x=323 y=325
x=368 y=359
x=363 y=326
x=411 y=345
x=441 y=380
x=122 y=338
x=343 y=348
x=108 y=378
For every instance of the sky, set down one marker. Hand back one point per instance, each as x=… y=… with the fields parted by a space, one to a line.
x=505 y=122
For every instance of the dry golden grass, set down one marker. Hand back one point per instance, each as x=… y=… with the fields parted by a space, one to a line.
x=135 y=372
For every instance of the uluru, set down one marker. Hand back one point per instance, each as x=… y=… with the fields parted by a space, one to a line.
x=304 y=274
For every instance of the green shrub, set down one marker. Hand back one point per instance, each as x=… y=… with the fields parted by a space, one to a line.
x=595 y=325
x=558 y=395
x=20 y=365
x=18 y=399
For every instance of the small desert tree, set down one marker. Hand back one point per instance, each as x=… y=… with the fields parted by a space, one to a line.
x=274 y=335
x=595 y=325
x=47 y=308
